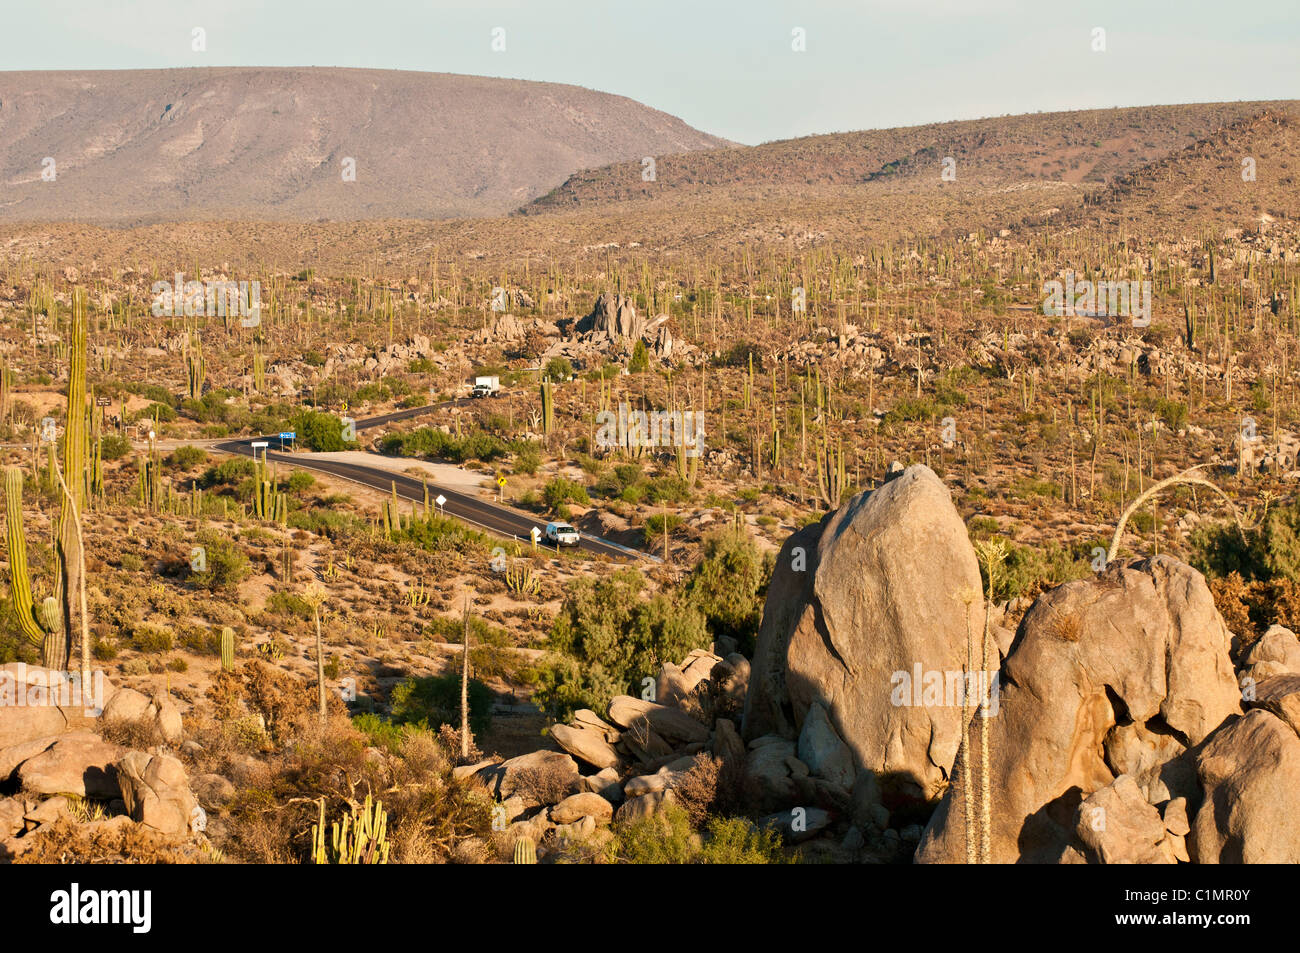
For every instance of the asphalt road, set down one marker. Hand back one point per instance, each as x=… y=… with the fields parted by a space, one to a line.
x=480 y=513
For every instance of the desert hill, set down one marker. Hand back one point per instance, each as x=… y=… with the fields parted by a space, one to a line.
x=139 y=146
x=1081 y=150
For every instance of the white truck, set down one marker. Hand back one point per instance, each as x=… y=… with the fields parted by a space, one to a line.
x=562 y=534
x=486 y=387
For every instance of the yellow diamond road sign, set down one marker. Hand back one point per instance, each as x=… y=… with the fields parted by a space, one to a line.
x=501 y=481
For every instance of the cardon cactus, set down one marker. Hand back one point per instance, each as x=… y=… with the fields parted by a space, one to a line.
x=361 y=837
x=227 y=649
x=41 y=624
x=525 y=851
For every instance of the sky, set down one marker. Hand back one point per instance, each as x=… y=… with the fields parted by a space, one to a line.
x=731 y=69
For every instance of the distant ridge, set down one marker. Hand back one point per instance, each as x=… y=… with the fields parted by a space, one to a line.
x=142 y=146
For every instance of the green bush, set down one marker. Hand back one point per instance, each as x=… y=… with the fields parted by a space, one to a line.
x=321 y=432
x=558 y=369
x=527 y=458
x=114 y=447
x=227 y=565
x=654 y=527
x=186 y=457
x=607 y=638
x=640 y=362
x=151 y=639
x=299 y=482
x=433 y=701
x=667 y=837
x=228 y=473
x=728 y=585
x=561 y=490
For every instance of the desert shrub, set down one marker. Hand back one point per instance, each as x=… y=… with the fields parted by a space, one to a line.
x=183 y=458
x=321 y=432
x=433 y=701
x=669 y=488
x=711 y=787
x=299 y=482
x=325 y=522
x=527 y=458
x=728 y=585
x=560 y=490
x=434 y=444
x=114 y=447
x=640 y=360
x=1173 y=412
x=667 y=837
x=1028 y=570
x=734 y=840
x=227 y=566
x=654 y=527
x=151 y=639
x=442 y=534
x=558 y=369
x=286 y=603
x=479 y=445
x=228 y=473
x=606 y=637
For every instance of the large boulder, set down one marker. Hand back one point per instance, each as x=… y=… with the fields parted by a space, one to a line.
x=37 y=702
x=891 y=591
x=156 y=793
x=1251 y=774
x=77 y=763
x=586 y=744
x=539 y=777
x=1117 y=825
x=577 y=806
x=1277 y=653
x=822 y=750
x=1140 y=644
x=669 y=723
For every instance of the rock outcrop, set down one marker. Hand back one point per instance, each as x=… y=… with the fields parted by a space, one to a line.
x=889 y=592
x=1121 y=674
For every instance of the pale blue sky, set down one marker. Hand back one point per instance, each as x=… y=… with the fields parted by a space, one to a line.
x=727 y=68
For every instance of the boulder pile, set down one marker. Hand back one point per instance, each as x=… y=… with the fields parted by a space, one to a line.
x=54 y=758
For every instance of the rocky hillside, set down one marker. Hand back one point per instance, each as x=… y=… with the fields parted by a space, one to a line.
x=1084 y=149
x=136 y=146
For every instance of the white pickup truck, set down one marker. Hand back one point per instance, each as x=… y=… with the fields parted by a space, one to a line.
x=486 y=387
x=562 y=534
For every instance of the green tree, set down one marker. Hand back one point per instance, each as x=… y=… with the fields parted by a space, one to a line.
x=640 y=362
x=607 y=638
x=728 y=585
x=321 y=432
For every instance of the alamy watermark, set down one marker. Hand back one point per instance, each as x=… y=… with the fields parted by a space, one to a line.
x=208 y=298
x=952 y=689
x=24 y=687
x=655 y=428
x=1098 y=299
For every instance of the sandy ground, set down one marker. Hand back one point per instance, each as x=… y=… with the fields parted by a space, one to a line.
x=444 y=474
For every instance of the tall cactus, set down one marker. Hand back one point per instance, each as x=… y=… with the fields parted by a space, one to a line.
x=548 y=407
x=227 y=649
x=525 y=851
x=830 y=473
x=69 y=581
x=41 y=626
x=269 y=503
x=196 y=368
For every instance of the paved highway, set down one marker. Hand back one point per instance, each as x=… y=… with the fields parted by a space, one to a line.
x=485 y=515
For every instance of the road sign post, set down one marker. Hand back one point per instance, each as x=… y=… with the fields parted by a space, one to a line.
x=501 y=489
x=536 y=535
x=440 y=501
